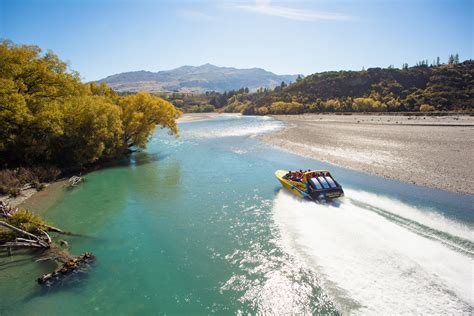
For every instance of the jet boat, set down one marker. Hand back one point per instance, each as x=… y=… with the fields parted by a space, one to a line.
x=314 y=185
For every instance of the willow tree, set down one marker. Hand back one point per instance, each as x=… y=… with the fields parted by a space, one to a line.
x=92 y=131
x=141 y=113
x=33 y=86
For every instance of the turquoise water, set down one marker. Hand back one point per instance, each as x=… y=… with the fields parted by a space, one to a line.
x=199 y=225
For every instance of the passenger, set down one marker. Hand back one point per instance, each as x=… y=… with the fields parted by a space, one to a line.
x=300 y=175
x=291 y=175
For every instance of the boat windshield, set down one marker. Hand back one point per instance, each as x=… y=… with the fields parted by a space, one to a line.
x=316 y=183
x=331 y=182
x=323 y=182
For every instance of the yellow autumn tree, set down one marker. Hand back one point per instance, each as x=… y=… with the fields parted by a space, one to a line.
x=141 y=113
x=92 y=131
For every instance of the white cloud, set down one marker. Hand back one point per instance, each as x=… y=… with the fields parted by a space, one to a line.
x=265 y=7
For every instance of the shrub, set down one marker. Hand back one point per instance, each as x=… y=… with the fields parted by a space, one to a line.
x=11 y=180
x=25 y=220
x=286 y=108
x=427 y=108
x=368 y=105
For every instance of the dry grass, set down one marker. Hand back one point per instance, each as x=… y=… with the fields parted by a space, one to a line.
x=12 y=180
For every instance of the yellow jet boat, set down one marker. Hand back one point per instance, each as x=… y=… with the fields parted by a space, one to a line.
x=314 y=185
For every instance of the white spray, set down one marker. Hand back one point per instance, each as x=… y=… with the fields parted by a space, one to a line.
x=382 y=266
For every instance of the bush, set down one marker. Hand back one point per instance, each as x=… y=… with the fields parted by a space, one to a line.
x=427 y=108
x=25 y=220
x=261 y=111
x=12 y=180
x=368 y=105
x=287 y=108
x=8 y=180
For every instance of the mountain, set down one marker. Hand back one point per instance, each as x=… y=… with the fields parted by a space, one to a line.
x=196 y=79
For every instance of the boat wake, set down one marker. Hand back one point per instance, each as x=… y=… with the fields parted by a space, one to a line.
x=378 y=255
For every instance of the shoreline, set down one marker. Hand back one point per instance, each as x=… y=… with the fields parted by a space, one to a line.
x=34 y=200
x=430 y=151
x=38 y=201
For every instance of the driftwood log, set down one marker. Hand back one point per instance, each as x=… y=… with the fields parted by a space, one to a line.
x=6 y=210
x=74 y=180
x=75 y=264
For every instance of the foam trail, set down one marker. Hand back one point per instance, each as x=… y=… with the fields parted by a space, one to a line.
x=425 y=216
x=367 y=259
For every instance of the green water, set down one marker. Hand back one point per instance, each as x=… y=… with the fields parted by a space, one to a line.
x=198 y=225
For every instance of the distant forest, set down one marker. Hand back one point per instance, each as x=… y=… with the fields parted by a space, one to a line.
x=424 y=87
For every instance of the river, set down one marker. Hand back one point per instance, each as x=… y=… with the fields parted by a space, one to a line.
x=199 y=225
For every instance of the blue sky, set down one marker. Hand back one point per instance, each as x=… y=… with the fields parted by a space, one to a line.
x=100 y=38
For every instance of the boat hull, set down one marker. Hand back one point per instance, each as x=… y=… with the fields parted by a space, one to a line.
x=294 y=187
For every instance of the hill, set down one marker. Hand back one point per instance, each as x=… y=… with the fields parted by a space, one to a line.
x=196 y=79
x=441 y=87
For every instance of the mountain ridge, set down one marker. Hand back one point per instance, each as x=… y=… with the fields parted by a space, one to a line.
x=196 y=79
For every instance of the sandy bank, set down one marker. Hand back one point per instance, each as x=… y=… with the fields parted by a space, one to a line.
x=36 y=200
x=430 y=151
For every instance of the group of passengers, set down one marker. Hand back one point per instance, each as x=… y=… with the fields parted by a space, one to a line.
x=298 y=175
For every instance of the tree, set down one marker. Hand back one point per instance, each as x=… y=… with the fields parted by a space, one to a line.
x=141 y=113
x=405 y=66
x=92 y=131
x=456 y=59
x=451 y=59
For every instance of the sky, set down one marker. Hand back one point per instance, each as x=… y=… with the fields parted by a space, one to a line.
x=104 y=37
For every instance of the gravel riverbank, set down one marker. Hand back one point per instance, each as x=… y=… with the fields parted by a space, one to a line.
x=430 y=151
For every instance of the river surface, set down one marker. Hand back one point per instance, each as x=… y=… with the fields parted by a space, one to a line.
x=199 y=225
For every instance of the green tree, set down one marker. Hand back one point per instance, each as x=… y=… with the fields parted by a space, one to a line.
x=451 y=59
x=456 y=59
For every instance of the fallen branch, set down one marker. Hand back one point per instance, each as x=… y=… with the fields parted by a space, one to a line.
x=14 y=244
x=6 y=210
x=55 y=229
x=40 y=239
x=24 y=233
x=48 y=238
x=73 y=265
x=45 y=259
x=74 y=180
